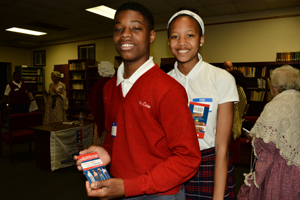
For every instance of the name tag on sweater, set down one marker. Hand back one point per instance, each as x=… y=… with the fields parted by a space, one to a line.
x=114 y=129
x=16 y=89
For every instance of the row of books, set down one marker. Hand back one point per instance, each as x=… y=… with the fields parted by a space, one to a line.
x=77 y=86
x=77 y=66
x=249 y=71
x=78 y=95
x=78 y=75
x=261 y=83
x=246 y=70
x=257 y=95
x=33 y=79
x=31 y=71
x=288 y=56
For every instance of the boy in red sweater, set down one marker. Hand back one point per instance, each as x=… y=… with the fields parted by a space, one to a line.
x=151 y=144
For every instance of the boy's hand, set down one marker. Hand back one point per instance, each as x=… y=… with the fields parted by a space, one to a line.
x=103 y=154
x=198 y=124
x=108 y=189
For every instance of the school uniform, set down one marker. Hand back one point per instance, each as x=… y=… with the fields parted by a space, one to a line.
x=216 y=86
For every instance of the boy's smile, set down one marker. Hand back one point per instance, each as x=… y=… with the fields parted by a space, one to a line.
x=132 y=37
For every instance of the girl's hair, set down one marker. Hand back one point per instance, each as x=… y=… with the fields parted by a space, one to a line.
x=285 y=77
x=182 y=11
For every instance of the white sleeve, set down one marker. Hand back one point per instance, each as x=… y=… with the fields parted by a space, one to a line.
x=227 y=89
x=7 y=90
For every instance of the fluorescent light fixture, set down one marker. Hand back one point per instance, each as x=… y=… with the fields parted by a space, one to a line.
x=103 y=10
x=25 y=31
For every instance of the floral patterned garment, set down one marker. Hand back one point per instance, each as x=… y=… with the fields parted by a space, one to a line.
x=58 y=113
x=274 y=179
x=277 y=149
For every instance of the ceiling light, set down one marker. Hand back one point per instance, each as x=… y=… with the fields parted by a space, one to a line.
x=103 y=10
x=25 y=31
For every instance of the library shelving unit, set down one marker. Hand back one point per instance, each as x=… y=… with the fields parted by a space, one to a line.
x=257 y=79
x=34 y=78
x=81 y=72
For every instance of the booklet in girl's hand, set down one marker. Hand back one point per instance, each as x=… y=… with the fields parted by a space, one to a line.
x=202 y=108
x=93 y=167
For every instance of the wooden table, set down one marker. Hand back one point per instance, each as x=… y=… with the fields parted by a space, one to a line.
x=42 y=141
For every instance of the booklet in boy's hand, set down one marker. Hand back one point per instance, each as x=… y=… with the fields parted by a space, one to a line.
x=202 y=108
x=93 y=167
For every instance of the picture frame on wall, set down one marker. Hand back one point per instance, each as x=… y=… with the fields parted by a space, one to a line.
x=86 y=51
x=39 y=58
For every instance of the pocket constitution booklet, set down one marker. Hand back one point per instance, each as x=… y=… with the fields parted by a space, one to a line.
x=93 y=167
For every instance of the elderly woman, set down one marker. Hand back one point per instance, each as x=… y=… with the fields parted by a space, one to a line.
x=276 y=142
x=56 y=100
x=106 y=70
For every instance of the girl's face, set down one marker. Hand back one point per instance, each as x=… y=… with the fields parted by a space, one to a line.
x=184 y=40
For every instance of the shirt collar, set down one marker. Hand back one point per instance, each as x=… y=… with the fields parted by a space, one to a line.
x=193 y=73
x=139 y=72
x=17 y=84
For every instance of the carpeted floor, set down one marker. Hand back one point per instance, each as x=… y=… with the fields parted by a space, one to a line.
x=24 y=181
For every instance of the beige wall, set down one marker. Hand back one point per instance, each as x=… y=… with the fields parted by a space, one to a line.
x=15 y=56
x=251 y=41
x=248 y=41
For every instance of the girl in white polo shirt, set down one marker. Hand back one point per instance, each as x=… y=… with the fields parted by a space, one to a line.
x=210 y=85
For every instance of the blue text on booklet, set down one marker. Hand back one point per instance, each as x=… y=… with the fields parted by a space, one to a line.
x=93 y=167
x=202 y=108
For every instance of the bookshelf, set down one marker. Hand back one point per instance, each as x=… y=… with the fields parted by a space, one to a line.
x=34 y=77
x=82 y=76
x=257 y=79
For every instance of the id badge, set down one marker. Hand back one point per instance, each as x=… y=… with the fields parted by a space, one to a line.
x=16 y=89
x=114 y=129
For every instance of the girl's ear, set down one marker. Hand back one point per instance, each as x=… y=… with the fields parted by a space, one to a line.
x=152 y=36
x=201 y=40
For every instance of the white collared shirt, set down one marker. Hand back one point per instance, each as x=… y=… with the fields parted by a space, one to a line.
x=128 y=83
x=8 y=89
x=207 y=81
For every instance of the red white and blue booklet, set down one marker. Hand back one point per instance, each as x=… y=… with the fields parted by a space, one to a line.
x=202 y=106
x=93 y=167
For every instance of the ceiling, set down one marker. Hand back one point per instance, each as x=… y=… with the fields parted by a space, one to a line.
x=67 y=20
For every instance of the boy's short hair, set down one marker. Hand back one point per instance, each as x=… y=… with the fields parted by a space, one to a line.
x=139 y=8
x=15 y=73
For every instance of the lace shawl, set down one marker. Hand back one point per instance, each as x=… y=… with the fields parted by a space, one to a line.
x=280 y=123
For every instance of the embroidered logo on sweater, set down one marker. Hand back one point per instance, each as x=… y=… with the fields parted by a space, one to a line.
x=144 y=104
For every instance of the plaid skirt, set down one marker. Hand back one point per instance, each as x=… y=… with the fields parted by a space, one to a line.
x=201 y=186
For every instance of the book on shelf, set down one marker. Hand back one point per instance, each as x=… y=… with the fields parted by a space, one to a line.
x=77 y=66
x=257 y=95
x=78 y=75
x=78 y=95
x=263 y=71
x=288 y=56
x=261 y=83
x=77 y=86
x=247 y=70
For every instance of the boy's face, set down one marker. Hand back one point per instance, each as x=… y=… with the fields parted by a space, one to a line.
x=17 y=77
x=132 y=36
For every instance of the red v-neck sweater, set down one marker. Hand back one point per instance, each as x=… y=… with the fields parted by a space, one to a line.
x=155 y=149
